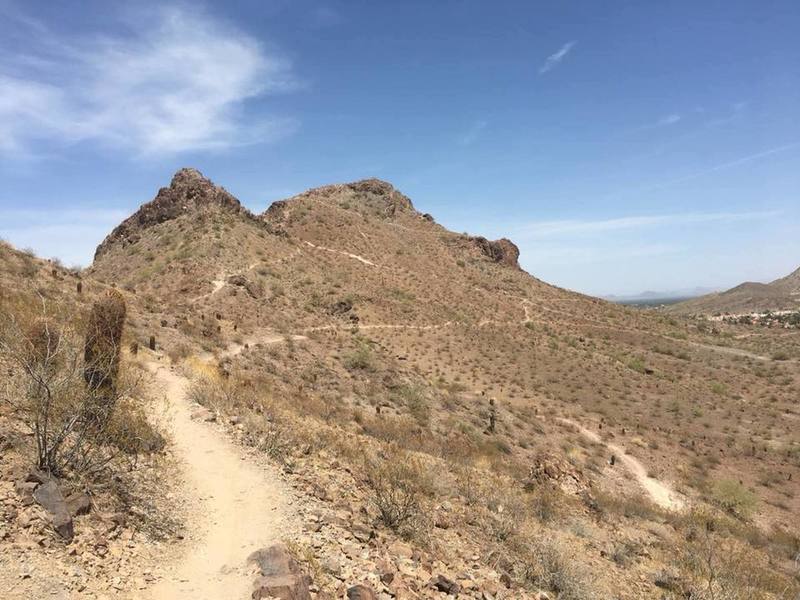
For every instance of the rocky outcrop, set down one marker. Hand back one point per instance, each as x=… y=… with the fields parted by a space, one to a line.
x=371 y=196
x=281 y=576
x=188 y=191
x=502 y=251
x=550 y=469
x=254 y=289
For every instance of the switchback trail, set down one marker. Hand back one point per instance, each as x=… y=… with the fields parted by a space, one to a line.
x=234 y=506
x=659 y=492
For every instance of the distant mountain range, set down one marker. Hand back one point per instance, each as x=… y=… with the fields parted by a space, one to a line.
x=781 y=294
x=667 y=296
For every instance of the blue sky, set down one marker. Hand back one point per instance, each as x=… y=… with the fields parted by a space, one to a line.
x=623 y=146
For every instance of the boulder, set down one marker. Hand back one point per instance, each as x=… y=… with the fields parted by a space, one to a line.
x=448 y=586
x=78 y=504
x=361 y=592
x=281 y=576
x=48 y=495
x=25 y=491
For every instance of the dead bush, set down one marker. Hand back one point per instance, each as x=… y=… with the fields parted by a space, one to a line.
x=65 y=384
x=398 y=485
x=716 y=566
x=545 y=564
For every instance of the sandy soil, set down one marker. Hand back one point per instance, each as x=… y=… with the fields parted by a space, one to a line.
x=236 y=506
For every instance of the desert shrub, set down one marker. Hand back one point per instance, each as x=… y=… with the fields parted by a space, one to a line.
x=637 y=364
x=734 y=498
x=130 y=431
x=224 y=394
x=636 y=506
x=398 y=485
x=546 y=503
x=545 y=564
x=233 y=395
x=505 y=513
x=719 y=388
x=360 y=359
x=179 y=352
x=624 y=552
x=715 y=566
x=65 y=383
x=413 y=398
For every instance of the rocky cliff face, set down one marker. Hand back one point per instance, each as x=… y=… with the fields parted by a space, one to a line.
x=188 y=191
x=502 y=251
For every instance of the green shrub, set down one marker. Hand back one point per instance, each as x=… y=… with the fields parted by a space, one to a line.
x=637 y=364
x=733 y=497
x=360 y=359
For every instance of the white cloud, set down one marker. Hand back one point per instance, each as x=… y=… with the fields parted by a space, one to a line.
x=554 y=59
x=178 y=81
x=539 y=229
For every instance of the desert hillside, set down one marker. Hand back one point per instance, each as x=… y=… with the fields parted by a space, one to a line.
x=780 y=295
x=433 y=421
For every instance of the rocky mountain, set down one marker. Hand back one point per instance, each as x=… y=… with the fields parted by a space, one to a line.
x=188 y=193
x=449 y=425
x=748 y=297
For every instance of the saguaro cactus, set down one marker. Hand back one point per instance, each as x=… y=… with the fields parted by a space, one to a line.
x=103 y=344
x=492 y=415
x=152 y=342
x=79 y=287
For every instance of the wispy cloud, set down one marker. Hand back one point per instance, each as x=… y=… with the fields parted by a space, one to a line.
x=540 y=229
x=472 y=134
x=176 y=81
x=555 y=59
x=668 y=120
x=724 y=166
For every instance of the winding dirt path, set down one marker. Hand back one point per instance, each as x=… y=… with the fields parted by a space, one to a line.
x=660 y=493
x=235 y=506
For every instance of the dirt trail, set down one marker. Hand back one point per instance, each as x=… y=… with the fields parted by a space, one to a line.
x=235 y=506
x=266 y=339
x=218 y=285
x=659 y=492
x=360 y=259
x=731 y=351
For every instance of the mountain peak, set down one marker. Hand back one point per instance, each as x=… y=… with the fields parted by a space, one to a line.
x=188 y=174
x=369 y=196
x=189 y=191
